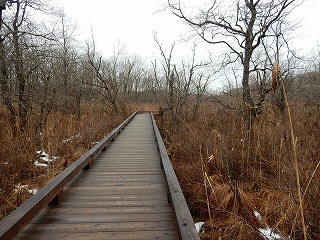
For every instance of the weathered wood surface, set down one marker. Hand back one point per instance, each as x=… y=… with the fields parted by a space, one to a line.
x=122 y=196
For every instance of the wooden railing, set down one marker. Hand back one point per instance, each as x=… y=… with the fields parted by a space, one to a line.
x=52 y=193
x=187 y=230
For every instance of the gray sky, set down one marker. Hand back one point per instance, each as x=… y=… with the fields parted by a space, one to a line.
x=132 y=22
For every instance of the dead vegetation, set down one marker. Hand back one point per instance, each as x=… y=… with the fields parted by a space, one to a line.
x=228 y=174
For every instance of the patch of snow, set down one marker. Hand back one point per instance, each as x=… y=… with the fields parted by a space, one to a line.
x=70 y=139
x=33 y=191
x=20 y=187
x=258 y=215
x=38 y=164
x=199 y=226
x=43 y=156
x=268 y=234
x=66 y=140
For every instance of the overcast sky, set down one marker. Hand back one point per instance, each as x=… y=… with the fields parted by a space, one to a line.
x=133 y=22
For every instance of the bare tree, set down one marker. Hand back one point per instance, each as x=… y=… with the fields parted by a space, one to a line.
x=241 y=27
x=64 y=37
x=115 y=77
x=4 y=78
x=180 y=87
x=20 y=35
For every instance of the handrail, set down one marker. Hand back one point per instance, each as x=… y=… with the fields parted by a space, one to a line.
x=19 y=218
x=187 y=230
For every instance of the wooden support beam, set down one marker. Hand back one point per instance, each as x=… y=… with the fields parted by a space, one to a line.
x=57 y=200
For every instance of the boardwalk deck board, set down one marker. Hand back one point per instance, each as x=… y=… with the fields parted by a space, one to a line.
x=122 y=196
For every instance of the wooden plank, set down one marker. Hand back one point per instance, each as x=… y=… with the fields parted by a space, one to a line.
x=99 y=227
x=111 y=196
x=90 y=189
x=113 y=183
x=164 y=208
x=105 y=204
x=133 y=235
x=124 y=192
x=63 y=218
x=121 y=177
x=122 y=182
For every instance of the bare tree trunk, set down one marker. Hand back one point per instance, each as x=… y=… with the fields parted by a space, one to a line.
x=248 y=104
x=5 y=90
x=4 y=80
x=19 y=18
x=19 y=68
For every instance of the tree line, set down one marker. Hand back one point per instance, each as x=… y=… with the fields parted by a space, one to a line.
x=45 y=69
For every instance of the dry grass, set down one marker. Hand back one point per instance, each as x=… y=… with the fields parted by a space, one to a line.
x=17 y=155
x=247 y=174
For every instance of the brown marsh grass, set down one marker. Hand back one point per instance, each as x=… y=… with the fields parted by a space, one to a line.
x=245 y=173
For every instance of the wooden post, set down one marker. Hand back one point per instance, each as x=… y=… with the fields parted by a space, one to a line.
x=57 y=200
x=90 y=163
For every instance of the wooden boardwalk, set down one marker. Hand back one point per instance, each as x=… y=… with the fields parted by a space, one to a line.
x=122 y=196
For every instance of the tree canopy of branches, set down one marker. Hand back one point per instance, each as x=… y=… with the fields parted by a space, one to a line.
x=241 y=26
x=181 y=87
x=21 y=41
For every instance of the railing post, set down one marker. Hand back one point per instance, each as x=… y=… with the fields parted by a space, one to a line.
x=57 y=200
x=89 y=164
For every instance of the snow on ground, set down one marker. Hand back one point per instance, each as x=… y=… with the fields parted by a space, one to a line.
x=33 y=191
x=38 y=164
x=267 y=233
x=199 y=226
x=70 y=139
x=44 y=159
x=258 y=215
x=20 y=187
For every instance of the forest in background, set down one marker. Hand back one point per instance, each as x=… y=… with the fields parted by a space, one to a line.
x=252 y=147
